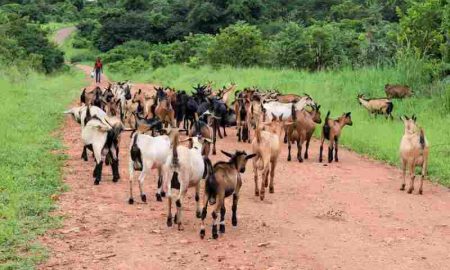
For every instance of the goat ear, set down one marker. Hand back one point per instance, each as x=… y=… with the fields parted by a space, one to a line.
x=406 y=117
x=274 y=117
x=348 y=114
x=280 y=118
x=414 y=118
x=250 y=156
x=226 y=154
x=139 y=91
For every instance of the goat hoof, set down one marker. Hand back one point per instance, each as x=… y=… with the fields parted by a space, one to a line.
x=163 y=194
x=169 y=221
x=410 y=190
x=300 y=160
x=222 y=228
x=402 y=187
x=96 y=182
x=144 y=197
x=271 y=190
x=202 y=233
x=180 y=227
x=336 y=160
x=175 y=219
x=420 y=192
x=306 y=157
x=214 y=152
x=320 y=160
x=198 y=214
x=256 y=192
x=261 y=196
x=234 y=221
x=130 y=201
x=158 y=197
x=289 y=158
x=116 y=179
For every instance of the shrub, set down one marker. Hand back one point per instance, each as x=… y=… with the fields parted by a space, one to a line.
x=158 y=59
x=238 y=45
x=83 y=57
x=80 y=43
x=129 y=66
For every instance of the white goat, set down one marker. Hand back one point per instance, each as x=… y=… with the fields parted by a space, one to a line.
x=190 y=167
x=146 y=153
x=285 y=109
x=103 y=139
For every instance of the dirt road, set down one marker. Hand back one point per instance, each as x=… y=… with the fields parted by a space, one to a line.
x=349 y=215
x=63 y=34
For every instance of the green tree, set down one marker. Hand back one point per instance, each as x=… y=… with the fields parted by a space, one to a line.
x=240 y=44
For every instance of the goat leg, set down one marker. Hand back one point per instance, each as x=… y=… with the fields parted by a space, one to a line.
x=98 y=173
x=234 y=221
x=402 y=187
x=222 y=219
x=115 y=170
x=84 y=154
x=336 y=159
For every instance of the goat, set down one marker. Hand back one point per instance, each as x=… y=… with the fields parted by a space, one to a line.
x=331 y=131
x=267 y=146
x=189 y=166
x=414 y=150
x=164 y=109
x=146 y=105
x=242 y=107
x=377 y=105
x=224 y=181
x=91 y=98
x=201 y=128
x=302 y=129
x=397 y=91
x=103 y=138
x=278 y=108
x=289 y=98
x=147 y=153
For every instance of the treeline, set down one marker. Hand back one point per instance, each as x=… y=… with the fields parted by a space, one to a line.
x=133 y=35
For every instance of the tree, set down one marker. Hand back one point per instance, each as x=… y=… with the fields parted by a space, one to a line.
x=240 y=44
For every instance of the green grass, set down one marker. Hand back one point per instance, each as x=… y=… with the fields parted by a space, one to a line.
x=336 y=91
x=30 y=109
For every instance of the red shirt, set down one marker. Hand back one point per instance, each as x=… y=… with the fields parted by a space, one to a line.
x=98 y=65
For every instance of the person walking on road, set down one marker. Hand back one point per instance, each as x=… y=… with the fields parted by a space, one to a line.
x=98 y=69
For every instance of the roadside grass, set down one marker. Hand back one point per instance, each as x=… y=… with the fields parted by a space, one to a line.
x=78 y=55
x=336 y=91
x=30 y=166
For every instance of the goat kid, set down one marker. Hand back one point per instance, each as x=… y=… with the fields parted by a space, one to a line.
x=377 y=105
x=224 y=181
x=331 y=131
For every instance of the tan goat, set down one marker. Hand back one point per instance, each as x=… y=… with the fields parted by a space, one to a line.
x=377 y=105
x=414 y=152
x=331 y=131
x=267 y=146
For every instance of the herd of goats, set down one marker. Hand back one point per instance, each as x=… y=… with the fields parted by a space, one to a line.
x=263 y=118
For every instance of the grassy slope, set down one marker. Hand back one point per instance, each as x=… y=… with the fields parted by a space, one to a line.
x=30 y=110
x=336 y=91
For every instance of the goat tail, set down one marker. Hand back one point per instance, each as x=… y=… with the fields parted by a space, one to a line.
x=328 y=116
x=211 y=185
x=175 y=160
x=294 y=115
x=422 y=138
x=258 y=134
x=390 y=107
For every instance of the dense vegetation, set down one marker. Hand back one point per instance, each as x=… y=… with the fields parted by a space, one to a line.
x=299 y=34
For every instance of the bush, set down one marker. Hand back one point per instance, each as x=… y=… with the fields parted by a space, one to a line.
x=83 y=57
x=129 y=66
x=80 y=43
x=238 y=45
x=158 y=59
x=87 y=28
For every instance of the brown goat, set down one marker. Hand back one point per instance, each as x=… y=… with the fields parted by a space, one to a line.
x=164 y=110
x=224 y=182
x=302 y=129
x=267 y=146
x=331 y=131
x=414 y=152
x=397 y=91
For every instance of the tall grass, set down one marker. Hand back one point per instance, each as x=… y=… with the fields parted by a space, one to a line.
x=30 y=109
x=336 y=91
